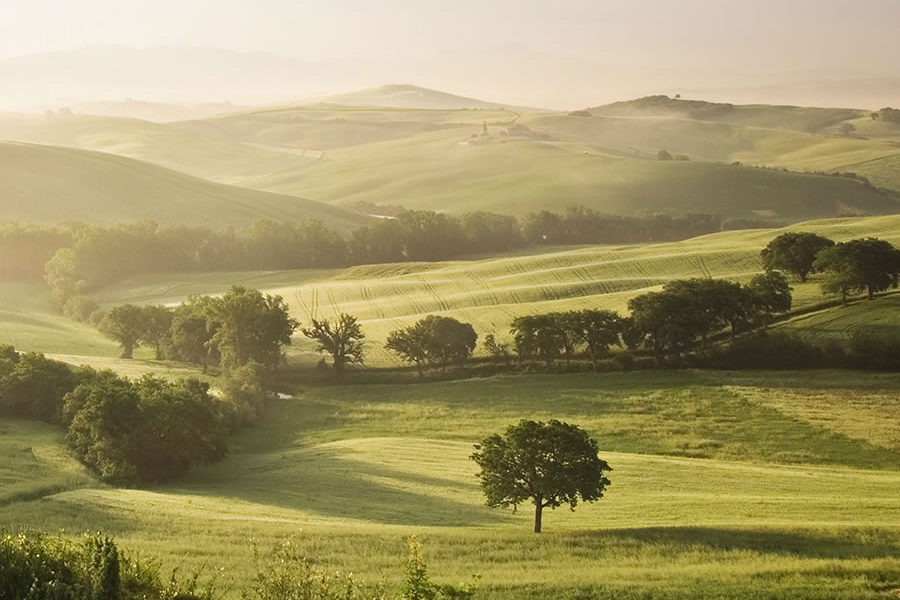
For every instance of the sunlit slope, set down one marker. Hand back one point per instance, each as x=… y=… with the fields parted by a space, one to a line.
x=29 y=321
x=490 y=293
x=195 y=153
x=878 y=317
x=716 y=481
x=434 y=171
x=49 y=184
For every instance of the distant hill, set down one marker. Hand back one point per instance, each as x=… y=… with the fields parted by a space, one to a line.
x=794 y=118
x=517 y=176
x=48 y=184
x=329 y=126
x=406 y=96
x=194 y=152
x=159 y=112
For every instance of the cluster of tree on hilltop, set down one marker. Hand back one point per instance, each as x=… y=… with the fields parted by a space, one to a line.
x=888 y=115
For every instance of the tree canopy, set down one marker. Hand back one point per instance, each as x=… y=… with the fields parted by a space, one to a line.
x=434 y=341
x=867 y=264
x=549 y=464
x=342 y=339
x=794 y=252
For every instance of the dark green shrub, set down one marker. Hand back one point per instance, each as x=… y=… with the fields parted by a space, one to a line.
x=767 y=351
x=151 y=430
x=874 y=353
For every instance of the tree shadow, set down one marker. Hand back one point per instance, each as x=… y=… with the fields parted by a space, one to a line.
x=322 y=482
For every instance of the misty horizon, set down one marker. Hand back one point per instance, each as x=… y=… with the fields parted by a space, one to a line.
x=562 y=55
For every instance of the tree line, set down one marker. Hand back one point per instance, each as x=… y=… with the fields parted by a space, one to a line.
x=75 y=259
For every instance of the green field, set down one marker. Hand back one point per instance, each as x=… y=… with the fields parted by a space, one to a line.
x=50 y=184
x=725 y=485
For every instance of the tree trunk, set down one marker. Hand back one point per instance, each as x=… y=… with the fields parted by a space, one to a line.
x=871 y=292
x=538 y=514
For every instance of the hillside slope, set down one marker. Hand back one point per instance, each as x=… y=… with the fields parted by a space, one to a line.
x=195 y=153
x=517 y=176
x=48 y=184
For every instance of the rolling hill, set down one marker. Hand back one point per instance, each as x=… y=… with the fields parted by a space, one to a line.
x=444 y=170
x=407 y=96
x=198 y=154
x=440 y=159
x=326 y=127
x=47 y=184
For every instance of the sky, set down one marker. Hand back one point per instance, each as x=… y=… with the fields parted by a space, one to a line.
x=637 y=44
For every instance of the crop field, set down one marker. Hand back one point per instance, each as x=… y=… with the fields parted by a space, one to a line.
x=747 y=485
x=489 y=293
x=880 y=317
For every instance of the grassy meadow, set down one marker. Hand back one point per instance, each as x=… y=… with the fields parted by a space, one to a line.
x=733 y=485
x=725 y=485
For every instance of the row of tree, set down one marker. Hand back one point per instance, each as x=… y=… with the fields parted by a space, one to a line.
x=125 y=431
x=668 y=321
x=868 y=265
x=241 y=327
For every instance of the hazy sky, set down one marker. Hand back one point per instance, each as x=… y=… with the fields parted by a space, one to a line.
x=760 y=34
x=764 y=40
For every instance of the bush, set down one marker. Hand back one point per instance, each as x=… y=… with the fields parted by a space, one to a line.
x=776 y=351
x=151 y=430
x=35 y=566
x=32 y=385
x=874 y=353
x=80 y=308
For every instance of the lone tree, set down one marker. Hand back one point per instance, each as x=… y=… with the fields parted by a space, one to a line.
x=794 y=252
x=550 y=464
x=342 y=340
